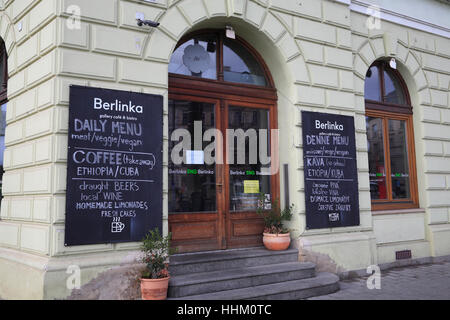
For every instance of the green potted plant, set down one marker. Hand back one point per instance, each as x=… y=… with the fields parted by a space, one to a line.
x=275 y=236
x=155 y=277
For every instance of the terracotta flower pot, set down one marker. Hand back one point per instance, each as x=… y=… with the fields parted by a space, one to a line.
x=154 y=289
x=273 y=241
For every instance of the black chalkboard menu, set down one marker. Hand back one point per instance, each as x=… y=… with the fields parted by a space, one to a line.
x=114 y=166
x=330 y=171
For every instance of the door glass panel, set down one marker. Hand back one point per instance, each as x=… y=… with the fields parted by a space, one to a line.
x=249 y=173
x=196 y=57
x=192 y=182
x=399 y=159
x=2 y=142
x=392 y=88
x=372 y=90
x=240 y=66
x=377 y=168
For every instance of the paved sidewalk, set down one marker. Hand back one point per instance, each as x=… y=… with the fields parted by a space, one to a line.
x=421 y=282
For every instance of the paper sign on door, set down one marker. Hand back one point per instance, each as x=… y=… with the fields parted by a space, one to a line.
x=195 y=157
x=251 y=186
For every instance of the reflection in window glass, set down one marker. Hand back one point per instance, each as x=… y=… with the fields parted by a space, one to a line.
x=399 y=159
x=196 y=57
x=3 y=65
x=2 y=70
x=192 y=184
x=247 y=174
x=377 y=168
x=240 y=66
x=392 y=89
x=2 y=143
x=372 y=90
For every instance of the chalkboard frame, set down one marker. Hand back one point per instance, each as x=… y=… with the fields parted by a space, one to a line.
x=77 y=232
x=314 y=219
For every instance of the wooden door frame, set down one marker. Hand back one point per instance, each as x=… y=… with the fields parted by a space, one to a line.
x=187 y=88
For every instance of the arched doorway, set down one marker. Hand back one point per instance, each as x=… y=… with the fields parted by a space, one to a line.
x=221 y=85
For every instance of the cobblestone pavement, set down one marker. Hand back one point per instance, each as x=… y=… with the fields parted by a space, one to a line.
x=421 y=282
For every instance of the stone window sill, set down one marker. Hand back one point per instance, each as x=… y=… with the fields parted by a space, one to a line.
x=398 y=211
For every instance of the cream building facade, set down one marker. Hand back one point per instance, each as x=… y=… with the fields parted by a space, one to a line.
x=318 y=53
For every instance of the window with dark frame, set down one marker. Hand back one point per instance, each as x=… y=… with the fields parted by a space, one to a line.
x=3 y=101
x=390 y=139
x=3 y=72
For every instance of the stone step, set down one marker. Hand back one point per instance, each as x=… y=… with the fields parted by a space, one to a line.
x=323 y=283
x=189 y=263
x=241 y=277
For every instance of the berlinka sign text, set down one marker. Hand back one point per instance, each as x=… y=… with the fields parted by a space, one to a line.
x=117 y=105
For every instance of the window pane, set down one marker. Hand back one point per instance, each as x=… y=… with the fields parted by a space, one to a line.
x=3 y=63
x=247 y=174
x=2 y=143
x=240 y=66
x=2 y=69
x=392 y=88
x=3 y=121
x=196 y=57
x=192 y=184
x=399 y=159
x=377 y=169
x=372 y=90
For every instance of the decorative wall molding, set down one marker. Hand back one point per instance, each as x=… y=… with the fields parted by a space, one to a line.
x=395 y=17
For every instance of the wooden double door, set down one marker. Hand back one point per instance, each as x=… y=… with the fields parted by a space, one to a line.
x=218 y=169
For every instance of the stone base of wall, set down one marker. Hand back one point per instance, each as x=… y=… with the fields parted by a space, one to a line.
x=119 y=283
x=440 y=238
x=115 y=276
x=21 y=275
x=111 y=276
x=386 y=252
x=338 y=253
